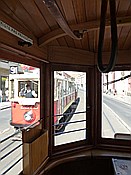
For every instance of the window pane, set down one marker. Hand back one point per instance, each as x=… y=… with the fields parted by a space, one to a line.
x=69 y=106
x=116 y=116
x=16 y=111
x=22 y=85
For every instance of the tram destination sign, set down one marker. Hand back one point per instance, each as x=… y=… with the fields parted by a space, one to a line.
x=15 y=32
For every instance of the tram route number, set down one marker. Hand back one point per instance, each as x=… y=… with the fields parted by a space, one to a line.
x=13 y=70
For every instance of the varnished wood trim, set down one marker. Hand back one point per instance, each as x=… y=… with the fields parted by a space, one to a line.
x=123 y=57
x=12 y=54
x=70 y=56
x=87 y=26
x=56 y=13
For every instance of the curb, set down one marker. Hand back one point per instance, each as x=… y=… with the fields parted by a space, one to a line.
x=2 y=108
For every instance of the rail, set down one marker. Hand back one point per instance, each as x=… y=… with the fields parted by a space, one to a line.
x=60 y=126
x=6 y=151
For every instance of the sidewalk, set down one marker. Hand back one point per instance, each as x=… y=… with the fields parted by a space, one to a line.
x=124 y=98
x=4 y=105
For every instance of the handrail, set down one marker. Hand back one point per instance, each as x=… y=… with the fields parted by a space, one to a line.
x=1 y=141
x=11 y=151
x=30 y=126
x=10 y=166
x=18 y=131
x=66 y=132
x=56 y=13
x=114 y=43
x=68 y=113
x=63 y=123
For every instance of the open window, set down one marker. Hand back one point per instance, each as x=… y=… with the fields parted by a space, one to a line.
x=116 y=105
x=71 y=106
x=17 y=111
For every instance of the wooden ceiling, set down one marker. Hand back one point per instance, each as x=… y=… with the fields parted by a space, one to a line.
x=73 y=19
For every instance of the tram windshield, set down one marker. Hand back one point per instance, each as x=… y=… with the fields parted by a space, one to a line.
x=31 y=86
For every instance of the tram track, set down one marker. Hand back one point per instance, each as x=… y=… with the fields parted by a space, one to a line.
x=113 y=123
x=109 y=122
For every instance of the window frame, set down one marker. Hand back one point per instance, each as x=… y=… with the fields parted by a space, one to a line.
x=87 y=143
x=109 y=143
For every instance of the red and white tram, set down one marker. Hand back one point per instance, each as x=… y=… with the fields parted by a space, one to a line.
x=25 y=111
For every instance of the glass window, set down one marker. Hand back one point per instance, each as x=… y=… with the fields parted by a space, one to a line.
x=116 y=105
x=16 y=111
x=24 y=86
x=69 y=107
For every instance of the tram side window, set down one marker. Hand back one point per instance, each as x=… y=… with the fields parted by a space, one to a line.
x=116 y=105
x=69 y=120
x=12 y=89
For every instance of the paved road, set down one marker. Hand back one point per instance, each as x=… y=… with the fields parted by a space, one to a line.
x=80 y=134
x=8 y=145
x=5 y=116
x=122 y=109
x=116 y=117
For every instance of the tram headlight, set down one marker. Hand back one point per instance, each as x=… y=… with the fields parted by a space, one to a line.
x=28 y=116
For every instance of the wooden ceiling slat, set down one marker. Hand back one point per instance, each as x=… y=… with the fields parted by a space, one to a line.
x=68 y=11
x=6 y=19
x=70 y=42
x=123 y=7
x=33 y=19
x=45 y=13
x=36 y=16
x=56 y=13
x=106 y=45
x=78 y=44
x=7 y=11
x=123 y=36
x=98 y=9
x=129 y=10
x=62 y=41
x=127 y=44
x=90 y=8
x=89 y=26
x=91 y=41
x=58 y=2
x=53 y=43
x=85 y=42
x=22 y=15
x=117 y=6
x=79 y=9
x=96 y=34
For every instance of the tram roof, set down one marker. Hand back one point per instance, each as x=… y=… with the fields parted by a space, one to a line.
x=54 y=34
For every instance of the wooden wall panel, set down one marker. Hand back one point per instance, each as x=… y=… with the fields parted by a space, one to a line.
x=77 y=56
x=35 y=149
x=70 y=56
x=123 y=57
x=17 y=55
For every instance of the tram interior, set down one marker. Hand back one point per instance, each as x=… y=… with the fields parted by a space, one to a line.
x=83 y=51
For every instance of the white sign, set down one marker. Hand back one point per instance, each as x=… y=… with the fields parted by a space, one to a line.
x=15 y=32
x=13 y=70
